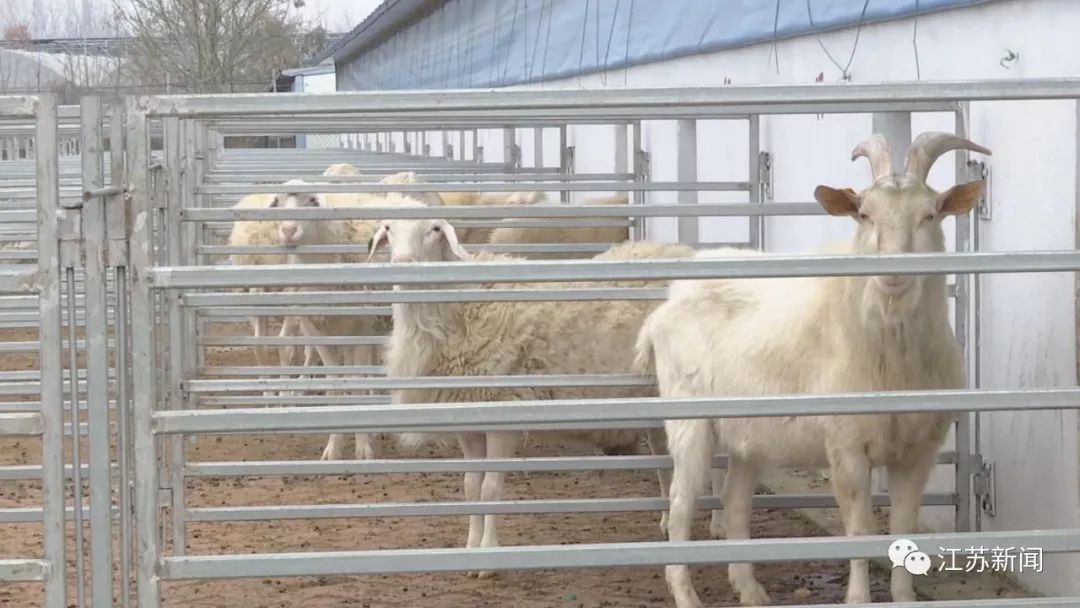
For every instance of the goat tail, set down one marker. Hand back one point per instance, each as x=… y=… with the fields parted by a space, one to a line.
x=644 y=355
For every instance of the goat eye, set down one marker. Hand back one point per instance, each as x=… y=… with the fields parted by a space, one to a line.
x=435 y=228
x=929 y=218
x=864 y=218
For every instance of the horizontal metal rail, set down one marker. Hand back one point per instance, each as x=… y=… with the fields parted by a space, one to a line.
x=23 y=570
x=523 y=248
x=18 y=279
x=607 y=555
x=512 y=507
x=620 y=186
x=447 y=465
x=642 y=99
x=292 y=341
x=285 y=275
x=223 y=176
x=21 y=424
x=197 y=386
x=448 y=417
x=455 y=212
x=211 y=299
x=336 y=370
x=326 y=311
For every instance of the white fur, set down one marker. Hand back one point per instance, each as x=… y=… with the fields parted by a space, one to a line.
x=511 y=338
x=812 y=335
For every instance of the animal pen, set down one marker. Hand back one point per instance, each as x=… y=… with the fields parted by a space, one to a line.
x=138 y=394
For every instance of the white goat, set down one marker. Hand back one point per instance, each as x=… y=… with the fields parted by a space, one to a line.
x=509 y=338
x=511 y=234
x=818 y=335
x=292 y=233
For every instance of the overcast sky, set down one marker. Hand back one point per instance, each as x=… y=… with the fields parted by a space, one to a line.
x=59 y=17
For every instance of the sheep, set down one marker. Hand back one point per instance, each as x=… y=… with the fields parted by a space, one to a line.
x=817 y=335
x=505 y=338
x=606 y=234
x=265 y=233
x=293 y=233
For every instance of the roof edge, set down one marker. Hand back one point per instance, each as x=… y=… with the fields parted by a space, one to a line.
x=384 y=21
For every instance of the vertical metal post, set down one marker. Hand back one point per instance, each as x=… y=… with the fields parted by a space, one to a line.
x=144 y=374
x=964 y=457
x=175 y=319
x=621 y=168
x=564 y=160
x=511 y=152
x=756 y=222
x=686 y=171
x=116 y=230
x=896 y=127
x=50 y=335
x=461 y=144
x=641 y=174
x=477 y=149
x=97 y=357
x=76 y=447
x=538 y=149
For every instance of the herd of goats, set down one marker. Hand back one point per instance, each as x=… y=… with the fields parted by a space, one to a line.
x=710 y=337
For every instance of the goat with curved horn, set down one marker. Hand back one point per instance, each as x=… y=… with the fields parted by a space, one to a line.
x=876 y=150
x=928 y=146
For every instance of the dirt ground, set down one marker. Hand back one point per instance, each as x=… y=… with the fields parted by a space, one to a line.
x=788 y=583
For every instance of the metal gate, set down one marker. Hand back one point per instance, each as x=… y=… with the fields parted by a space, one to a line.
x=135 y=256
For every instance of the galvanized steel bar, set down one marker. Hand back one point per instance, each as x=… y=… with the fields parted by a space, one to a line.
x=641 y=99
x=586 y=270
x=97 y=356
x=50 y=358
x=513 y=507
x=397 y=418
x=570 y=186
x=144 y=373
x=606 y=555
x=24 y=570
x=76 y=447
x=213 y=299
x=199 y=385
x=21 y=424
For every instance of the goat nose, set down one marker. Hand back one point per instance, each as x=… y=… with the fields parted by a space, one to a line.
x=288 y=231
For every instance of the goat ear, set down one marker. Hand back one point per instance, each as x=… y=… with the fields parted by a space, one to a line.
x=837 y=202
x=377 y=240
x=961 y=198
x=451 y=241
x=274 y=199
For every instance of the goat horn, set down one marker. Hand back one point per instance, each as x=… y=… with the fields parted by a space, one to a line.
x=928 y=146
x=876 y=150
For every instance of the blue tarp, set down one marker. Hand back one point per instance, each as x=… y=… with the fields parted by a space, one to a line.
x=492 y=43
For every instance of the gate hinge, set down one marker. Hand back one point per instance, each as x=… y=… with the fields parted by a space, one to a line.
x=980 y=170
x=983 y=486
x=765 y=176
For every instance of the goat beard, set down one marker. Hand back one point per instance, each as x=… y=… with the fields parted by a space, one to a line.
x=880 y=309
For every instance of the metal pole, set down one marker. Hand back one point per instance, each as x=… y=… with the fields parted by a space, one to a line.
x=756 y=222
x=144 y=374
x=97 y=357
x=50 y=332
x=962 y=309
x=76 y=447
x=175 y=320
x=686 y=170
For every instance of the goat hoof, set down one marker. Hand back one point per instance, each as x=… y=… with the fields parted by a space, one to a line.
x=365 y=452
x=331 y=453
x=663 y=525
x=860 y=598
x=754 y=595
